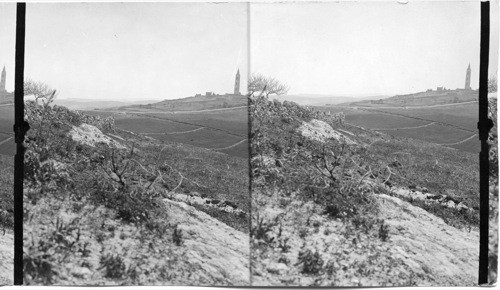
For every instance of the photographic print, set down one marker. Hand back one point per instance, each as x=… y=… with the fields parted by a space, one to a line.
x=7 y=145
x=364 y=143
x=268 y=144
x=136 y=166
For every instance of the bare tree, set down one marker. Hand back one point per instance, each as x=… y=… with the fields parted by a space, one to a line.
x=492 y=84
x=39 y=90
x=266 y=86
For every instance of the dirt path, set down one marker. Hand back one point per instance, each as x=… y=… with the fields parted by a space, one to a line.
x=169 y=133
x=403 y=128
x=6 y=140
x=367 y=109
x=459 y=142
x=188 y=123
x=6 y=258
x=231 y=146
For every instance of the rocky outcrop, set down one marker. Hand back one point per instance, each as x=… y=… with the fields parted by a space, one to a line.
x=322 y=131
x=429 y=245
x=6 y=258
x=196 y=198
x=91 y=136
x=221 y=251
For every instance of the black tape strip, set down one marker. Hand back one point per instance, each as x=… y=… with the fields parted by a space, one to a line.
x=484 y=125
x=20 y=128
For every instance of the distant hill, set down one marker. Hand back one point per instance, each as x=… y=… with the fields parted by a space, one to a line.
x=428 y=98
x=198 y=102
x=86 y=104
x=6 y=98
x=321 y=100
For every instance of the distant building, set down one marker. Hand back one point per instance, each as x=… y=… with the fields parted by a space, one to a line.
x=2 y=81
x=5 y=97
x=209 y=94
x=467 y=79
x=439 y=89
x=237 y=83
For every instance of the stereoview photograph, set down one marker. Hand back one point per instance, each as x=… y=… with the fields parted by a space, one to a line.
x=329 y=144
x=364 y=144
x=136 y=166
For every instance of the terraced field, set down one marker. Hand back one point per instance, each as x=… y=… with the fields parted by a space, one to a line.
x=224 y=131
x=7 y=145
x=146 y=125
x=452 y=126
x=205 y=138
x=465 y=116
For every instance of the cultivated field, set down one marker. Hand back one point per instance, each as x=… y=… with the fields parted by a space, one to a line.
x=224 y=131
x=452 y=126
x=7 y=145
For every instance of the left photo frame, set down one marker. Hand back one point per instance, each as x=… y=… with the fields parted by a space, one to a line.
x=7 y=144
x=136 y=163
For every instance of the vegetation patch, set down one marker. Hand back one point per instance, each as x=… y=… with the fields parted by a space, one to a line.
x=316 y=215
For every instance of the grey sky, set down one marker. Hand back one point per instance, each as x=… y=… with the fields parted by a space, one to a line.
x=171 y=50
x=356 y=48
x=8 y=41
x=125 y=51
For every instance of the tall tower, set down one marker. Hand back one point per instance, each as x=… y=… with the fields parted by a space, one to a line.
x=2 y=81
x=467 y=79
x=237 y=83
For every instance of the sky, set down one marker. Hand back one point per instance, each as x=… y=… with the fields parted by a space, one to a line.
x=146 y=51
x=134 y=51
x=359 y=49
x=8 y=42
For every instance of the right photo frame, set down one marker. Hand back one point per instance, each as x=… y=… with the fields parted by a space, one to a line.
x=364 y=143
x=249 y=144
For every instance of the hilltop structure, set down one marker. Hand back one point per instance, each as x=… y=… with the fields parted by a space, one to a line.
x=237 y=83
x=467 y=79
x=2 y=81
x=235 y=93
x=5 y=97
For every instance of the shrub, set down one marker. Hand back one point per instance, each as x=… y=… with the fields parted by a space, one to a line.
x=383 y=232
x=177 y=236
x=113 y=265
x=311 y=262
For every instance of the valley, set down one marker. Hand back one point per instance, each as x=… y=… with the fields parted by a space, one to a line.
x=448 y=120
x=203 y=124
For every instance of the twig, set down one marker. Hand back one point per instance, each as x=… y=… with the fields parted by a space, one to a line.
x=143 y=168
x=390 y=174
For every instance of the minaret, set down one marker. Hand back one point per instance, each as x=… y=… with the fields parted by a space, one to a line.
x=467 y=79
x=2 y=81
x=237 y=83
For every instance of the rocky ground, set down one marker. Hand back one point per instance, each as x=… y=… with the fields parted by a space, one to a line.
x=419 y=248
x=430 y=246
x=219 y=250
x=6 y=258
x=336 y=205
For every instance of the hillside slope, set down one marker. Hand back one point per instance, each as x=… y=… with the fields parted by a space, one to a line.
x=195 y=103
x=6 y=258
x=100 y=207
x=337 y=205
